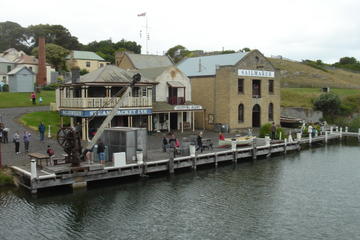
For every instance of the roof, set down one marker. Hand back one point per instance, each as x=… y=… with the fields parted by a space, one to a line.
x=207 y=64
x=4 y=60
x=175 y=84
x=86 y=55
x=26 y=59
x=18 y=69
x=142 y=61
x=111 y=73
x=152 y=73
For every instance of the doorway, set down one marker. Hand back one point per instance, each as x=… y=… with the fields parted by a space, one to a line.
x=173 y=121
x=256 y=116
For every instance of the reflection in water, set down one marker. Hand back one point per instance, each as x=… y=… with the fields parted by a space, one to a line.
x=313 y=194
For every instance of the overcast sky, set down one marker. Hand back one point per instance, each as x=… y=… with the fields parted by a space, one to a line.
x=296 y=29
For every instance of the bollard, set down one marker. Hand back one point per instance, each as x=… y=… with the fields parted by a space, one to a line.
x=267 y=141
x=298 y=136
x=326 y=136
x=340 y=132
x=285 y=145
x=254 y=150
x=192 y=150
x=280 y=133
x=49 y=133
x=331 y=129
x=346 y=129
x=33 y=169
x=336 y=129
x=310 y=139
x=233 y=145
x=140 y=157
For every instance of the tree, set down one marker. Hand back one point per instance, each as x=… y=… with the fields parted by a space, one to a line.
x=328 y=103
x=348 y=60
x=55 y=55
x=177 y=53
x=12 y=35
x=56 y=34
x=245 y=49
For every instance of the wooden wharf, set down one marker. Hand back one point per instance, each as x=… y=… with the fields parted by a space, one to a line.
x=37 y=178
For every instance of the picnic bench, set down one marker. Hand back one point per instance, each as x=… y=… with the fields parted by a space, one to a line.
x=39 y=158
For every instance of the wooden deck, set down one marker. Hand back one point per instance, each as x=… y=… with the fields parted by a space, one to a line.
x=52 y=176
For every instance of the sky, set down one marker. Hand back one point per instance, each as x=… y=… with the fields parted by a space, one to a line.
x=295 y=29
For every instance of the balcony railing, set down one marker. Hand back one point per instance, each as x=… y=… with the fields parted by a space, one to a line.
x=176 y=100
x=105 y=102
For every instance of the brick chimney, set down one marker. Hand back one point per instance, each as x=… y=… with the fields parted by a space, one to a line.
x=41 y=75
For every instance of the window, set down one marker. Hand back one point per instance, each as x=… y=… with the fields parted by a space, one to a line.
x=241 y=113
x=271 y=112
x=271 y=86
x=240 y=86
x=144 y=92
x=8 y=68
x=87 y=64
x=135 y=92
x=256 y=85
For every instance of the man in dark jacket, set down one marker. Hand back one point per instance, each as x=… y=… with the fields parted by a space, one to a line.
x=101 y=152
x=42 y=129
x=199 y=142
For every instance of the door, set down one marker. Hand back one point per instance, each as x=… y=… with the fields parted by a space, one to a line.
x=173 y=121
x=256 y=116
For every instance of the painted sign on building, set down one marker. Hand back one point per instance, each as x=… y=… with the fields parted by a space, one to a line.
x=255 y=73
x=188 y=107
x=120 y=112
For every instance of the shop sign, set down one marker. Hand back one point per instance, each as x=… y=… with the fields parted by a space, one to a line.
x=188 y=107
x=120 y=112
x=255 y=73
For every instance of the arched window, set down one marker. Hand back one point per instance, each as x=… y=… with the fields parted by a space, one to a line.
x=241 y=113
x=271 y=112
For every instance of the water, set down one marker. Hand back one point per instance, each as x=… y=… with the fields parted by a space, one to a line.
x=309 y=195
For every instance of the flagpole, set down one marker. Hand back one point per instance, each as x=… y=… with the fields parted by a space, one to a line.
x=147 y=34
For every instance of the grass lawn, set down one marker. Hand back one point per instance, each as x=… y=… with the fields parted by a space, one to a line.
x=9 y=99
x=32 y=120
x=302 y=97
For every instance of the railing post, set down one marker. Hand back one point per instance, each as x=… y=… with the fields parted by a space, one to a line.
x=337 y=129
x=326 y=136
x=331 y=129
x=341 y=132
x=285 y=145
x=346 y=129
x=310 y=139
x=33 y=169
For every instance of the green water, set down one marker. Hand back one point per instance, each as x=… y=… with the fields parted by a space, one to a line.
x=313 y=194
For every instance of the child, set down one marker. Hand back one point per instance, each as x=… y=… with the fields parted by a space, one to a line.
x=40 y=100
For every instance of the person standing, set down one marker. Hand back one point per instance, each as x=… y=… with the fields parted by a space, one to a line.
x=165 y=144
x=33 y=98
x=42 y=129
x=199 y=142
x=51 y=154
x=40 y=100
x=26 y=139
x=5 y=135
x=16 y=140
x=273 y=131
x=101 y=152
x=221 y=136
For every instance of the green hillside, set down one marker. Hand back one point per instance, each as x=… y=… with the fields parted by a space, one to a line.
x=297 y=74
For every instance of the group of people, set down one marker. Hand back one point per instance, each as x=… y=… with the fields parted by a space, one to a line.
x=33 y=98
x=26 y=140
x=169 y=141
x=4 y=131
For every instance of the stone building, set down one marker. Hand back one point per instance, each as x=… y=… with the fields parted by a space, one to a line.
x=240 y=90
x=85 y=60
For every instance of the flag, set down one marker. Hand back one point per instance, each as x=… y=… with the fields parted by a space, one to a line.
x=142 y=14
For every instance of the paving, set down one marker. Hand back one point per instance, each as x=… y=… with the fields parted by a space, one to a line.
x=10 y=117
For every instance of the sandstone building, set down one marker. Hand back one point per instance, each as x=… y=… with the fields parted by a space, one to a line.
x=239 y=90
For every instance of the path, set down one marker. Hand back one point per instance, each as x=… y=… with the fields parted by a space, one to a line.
x=9 y=117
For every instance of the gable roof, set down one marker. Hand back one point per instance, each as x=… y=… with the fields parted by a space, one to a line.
x=85 y=55
x=141 y=61
x=206 y=65
x=111 y=73
x=152 y=73
x=18 y=69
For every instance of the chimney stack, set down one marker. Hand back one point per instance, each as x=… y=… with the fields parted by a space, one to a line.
x=41 y=75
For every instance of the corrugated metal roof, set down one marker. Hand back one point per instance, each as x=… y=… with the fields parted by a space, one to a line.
x=206 y=65
x=85 y=55
x=152 y=73
x=141 y=61
x=111 y=73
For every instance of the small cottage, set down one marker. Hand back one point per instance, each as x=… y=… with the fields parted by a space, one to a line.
x=21 y=79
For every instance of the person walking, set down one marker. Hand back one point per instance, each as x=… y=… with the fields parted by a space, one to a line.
x=101 y=152
x=26 y=138
x=273 y=131
x=42 y=129
x=199 y=142
x=33 y=98
x=16 y=141
x=165 y=143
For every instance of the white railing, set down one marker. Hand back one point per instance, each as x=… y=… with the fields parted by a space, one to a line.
x=106 y=102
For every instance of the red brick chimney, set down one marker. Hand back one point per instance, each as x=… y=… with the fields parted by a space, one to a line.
x=41 y=75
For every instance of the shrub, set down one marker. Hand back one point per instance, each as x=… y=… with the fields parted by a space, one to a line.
x=5 y=88
x=5 y=179
x=265 y=130
x=328 y=103
x=51 y=86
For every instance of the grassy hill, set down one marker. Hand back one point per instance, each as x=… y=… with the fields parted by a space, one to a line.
x=296 y=74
